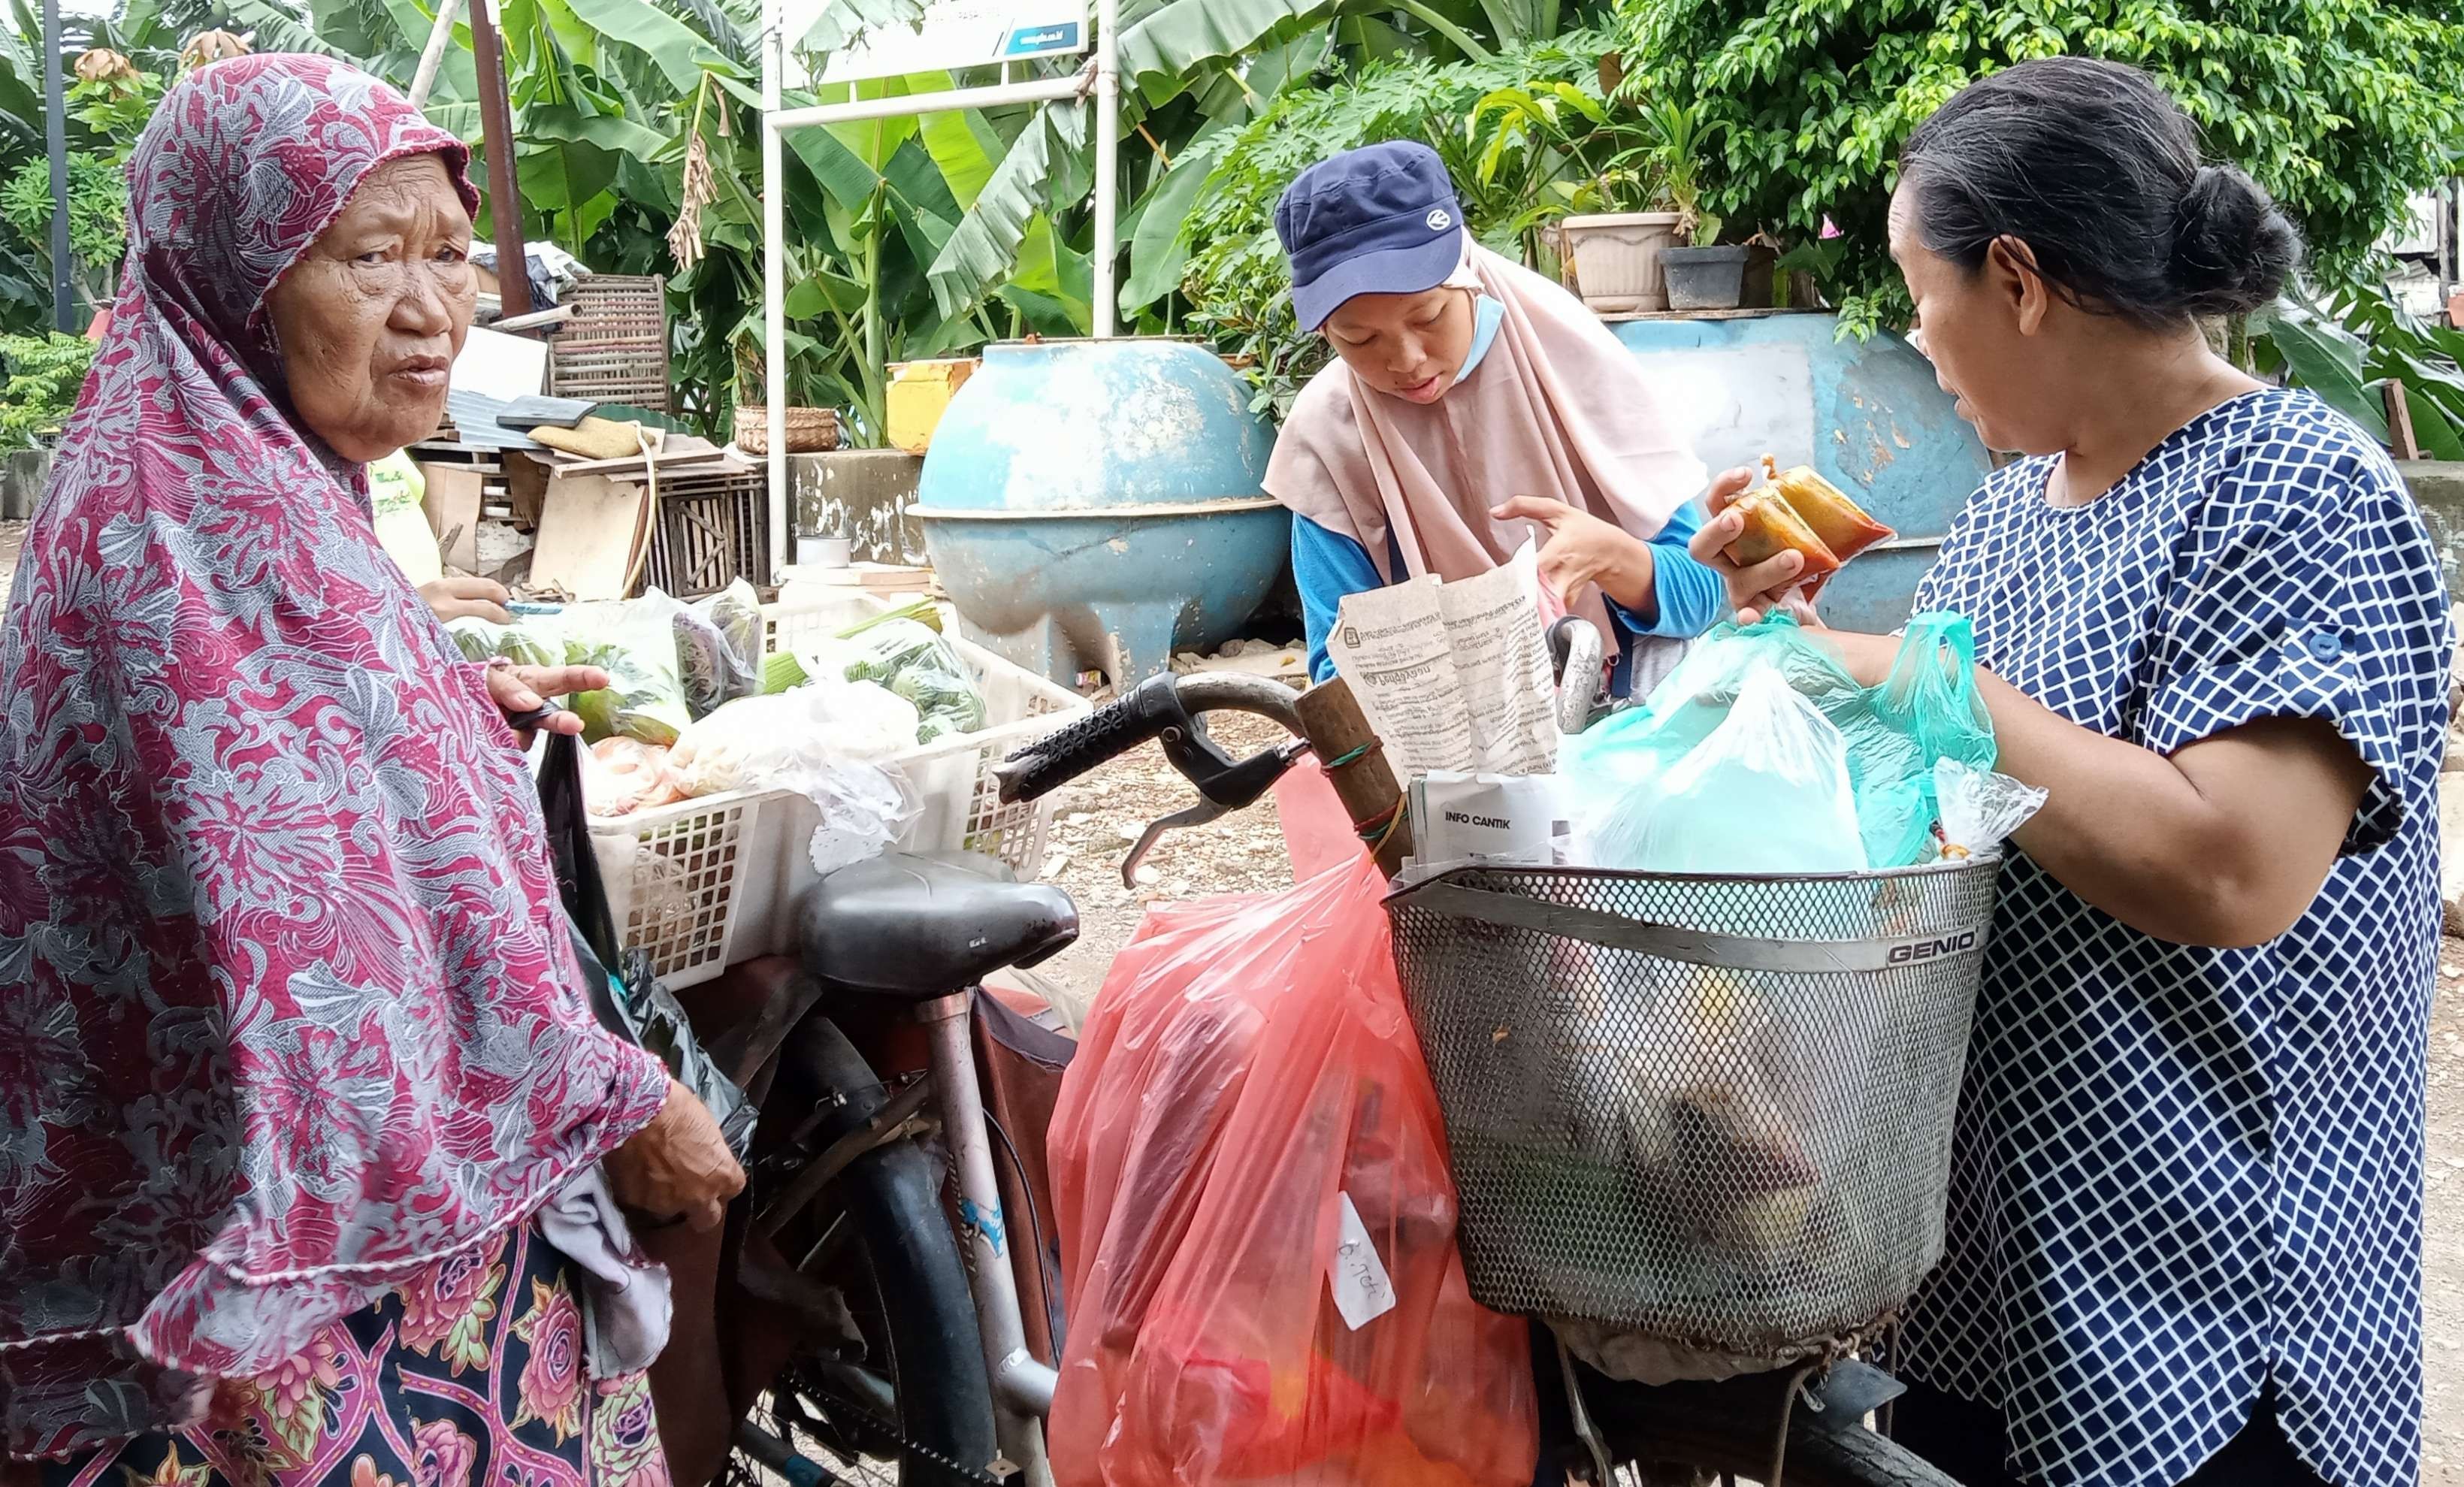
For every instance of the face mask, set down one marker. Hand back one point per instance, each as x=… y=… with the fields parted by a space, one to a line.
x=1487 y=314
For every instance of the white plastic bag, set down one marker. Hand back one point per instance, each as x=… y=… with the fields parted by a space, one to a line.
x=1766 y=792
x=829 y=742
x=778 y=742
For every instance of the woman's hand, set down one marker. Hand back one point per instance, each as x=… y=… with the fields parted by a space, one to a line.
x=677 y=1167
x=468 y=598
x=520 y=689
x=1582 y=548
x=1767 y=585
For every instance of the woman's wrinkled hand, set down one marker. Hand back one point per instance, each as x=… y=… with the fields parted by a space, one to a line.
x=677 y=1167
x=1582 y=548
x=522 y=690
x=1767 y=585
x=467 y=598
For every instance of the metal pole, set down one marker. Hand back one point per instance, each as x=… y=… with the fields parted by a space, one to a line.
x=1040 y=90
x=55 y=133
x=497 y=132
x=773 y=275
x=1108 y=161
x=439 y=37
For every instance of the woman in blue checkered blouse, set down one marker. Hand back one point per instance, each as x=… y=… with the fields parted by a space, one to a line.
x=2185 y=1220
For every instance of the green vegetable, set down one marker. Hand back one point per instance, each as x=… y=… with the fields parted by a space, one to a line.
x=635 y=644
x=781 y=672
x=527 y=642
x=923 y=611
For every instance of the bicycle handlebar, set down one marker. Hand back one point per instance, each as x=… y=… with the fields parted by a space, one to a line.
x=1164 y=707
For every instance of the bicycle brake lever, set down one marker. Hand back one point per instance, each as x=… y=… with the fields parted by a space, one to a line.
x=1236 y=786
x=1198 y=815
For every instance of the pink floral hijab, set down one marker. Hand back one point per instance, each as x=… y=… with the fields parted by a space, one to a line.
x=287 y=1004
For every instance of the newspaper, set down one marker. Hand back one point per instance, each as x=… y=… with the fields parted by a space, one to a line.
x=1453 y=676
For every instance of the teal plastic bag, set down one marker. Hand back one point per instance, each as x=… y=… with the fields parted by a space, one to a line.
x=1927 y=711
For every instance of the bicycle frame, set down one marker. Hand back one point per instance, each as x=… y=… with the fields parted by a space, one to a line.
x=1022 y=1384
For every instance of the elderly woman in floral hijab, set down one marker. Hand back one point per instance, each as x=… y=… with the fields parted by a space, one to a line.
x=294 y=1047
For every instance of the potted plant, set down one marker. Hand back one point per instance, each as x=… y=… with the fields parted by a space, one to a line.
x=1700 y=273
x=1599 y=171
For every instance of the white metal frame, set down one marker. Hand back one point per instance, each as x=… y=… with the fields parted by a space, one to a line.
x=1105 y=90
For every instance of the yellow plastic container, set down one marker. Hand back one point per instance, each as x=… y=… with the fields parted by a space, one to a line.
x=919 y=394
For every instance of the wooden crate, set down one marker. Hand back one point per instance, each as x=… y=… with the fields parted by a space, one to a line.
x=712 y=528
x=615 y=347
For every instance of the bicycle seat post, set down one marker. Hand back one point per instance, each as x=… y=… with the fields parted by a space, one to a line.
x=1022 y=1384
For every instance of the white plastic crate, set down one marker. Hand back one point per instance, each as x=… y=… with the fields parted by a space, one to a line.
x=706 y=884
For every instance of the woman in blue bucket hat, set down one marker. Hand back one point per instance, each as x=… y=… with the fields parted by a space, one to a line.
x=1473 y=402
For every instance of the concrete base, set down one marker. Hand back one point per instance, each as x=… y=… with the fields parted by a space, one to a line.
x=21 y=483
x=862 y=495
x=2438 y=489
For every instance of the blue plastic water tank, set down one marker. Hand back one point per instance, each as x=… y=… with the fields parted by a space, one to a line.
x=1098 y=505
x=1867 y=414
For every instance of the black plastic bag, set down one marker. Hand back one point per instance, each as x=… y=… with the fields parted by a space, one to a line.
x=632 y=1005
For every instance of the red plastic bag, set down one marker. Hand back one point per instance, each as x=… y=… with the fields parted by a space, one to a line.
x=1247 y=1133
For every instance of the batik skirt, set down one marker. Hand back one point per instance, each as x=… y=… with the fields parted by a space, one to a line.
x=473 y=1375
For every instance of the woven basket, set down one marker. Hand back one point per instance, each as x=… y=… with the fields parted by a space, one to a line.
x=810 y=430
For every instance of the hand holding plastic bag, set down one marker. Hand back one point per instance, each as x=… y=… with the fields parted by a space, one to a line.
x=1259 y=1219
x=1929 y=709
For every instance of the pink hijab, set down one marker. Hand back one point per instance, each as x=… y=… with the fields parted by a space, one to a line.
x=288 y=1008
x=1556 y=409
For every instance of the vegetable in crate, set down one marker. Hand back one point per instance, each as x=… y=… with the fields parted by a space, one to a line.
x=527 y=642
x=914 y=662
x=734 y=615
x=636 y=645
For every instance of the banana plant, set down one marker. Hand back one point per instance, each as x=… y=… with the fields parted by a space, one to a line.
x=2348 y=349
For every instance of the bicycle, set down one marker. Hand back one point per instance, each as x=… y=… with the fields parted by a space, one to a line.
x=1806 y=1425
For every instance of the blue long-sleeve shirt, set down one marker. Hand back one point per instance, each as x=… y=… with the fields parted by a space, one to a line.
x=1328 y=566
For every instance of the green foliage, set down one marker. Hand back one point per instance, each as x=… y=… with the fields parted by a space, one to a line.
x=2338 y=107
x=1237 y=280
x=2347 y=349
x=98 y=218
x=43 y=376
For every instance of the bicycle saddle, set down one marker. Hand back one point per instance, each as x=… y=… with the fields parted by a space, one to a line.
x=918 y=926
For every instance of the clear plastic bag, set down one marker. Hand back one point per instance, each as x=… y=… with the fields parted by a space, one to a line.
x=1765 y=791
x=1980 y=809
x=622 y=776
x=527 y=642
x=636 y=645
x=1259 y=1222
x=770 y=743
x=718 y=646
x=915 y=661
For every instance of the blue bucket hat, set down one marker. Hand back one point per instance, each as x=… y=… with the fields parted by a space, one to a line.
x=1379 y=219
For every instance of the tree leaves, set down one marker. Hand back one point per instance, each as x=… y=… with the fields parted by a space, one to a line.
x=679 y=52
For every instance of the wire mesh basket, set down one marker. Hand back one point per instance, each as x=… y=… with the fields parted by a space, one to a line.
x=1712 y=1109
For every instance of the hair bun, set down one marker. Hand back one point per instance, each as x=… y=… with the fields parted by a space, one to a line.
x=2233 y=248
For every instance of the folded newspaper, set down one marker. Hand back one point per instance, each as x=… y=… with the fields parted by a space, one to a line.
x=1453 y=676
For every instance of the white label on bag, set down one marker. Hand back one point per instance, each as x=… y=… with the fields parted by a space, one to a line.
x=1362 y=1291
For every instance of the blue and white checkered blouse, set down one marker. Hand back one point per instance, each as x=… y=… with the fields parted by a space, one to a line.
x=2181 y=1174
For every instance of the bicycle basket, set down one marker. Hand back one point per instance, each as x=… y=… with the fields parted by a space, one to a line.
x=1715 y=1110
